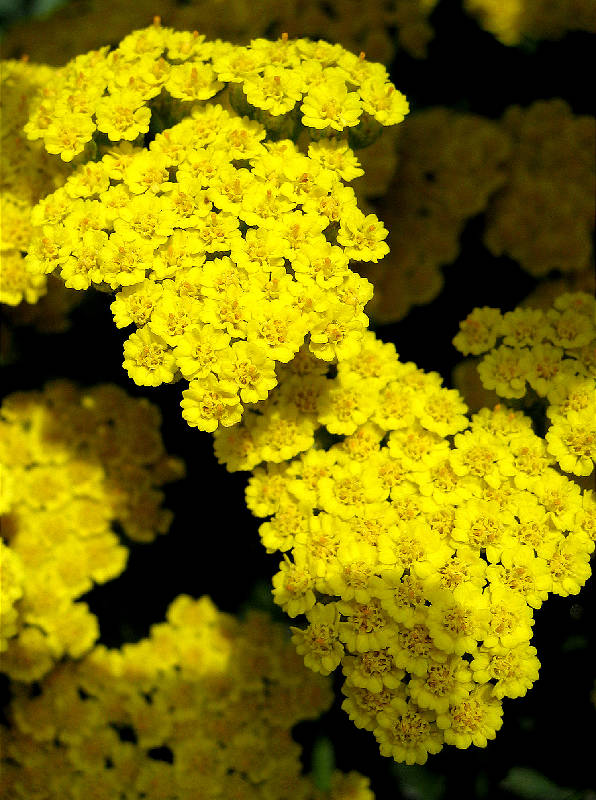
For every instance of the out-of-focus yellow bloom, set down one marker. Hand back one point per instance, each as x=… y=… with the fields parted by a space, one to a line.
x=161 y=689
x=550 y=177
x=75 y=462
x=514 y=21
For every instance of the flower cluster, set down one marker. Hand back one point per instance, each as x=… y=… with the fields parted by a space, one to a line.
x=201 y=708
x=74 y=463
x=551 y=177
x=227 y=248
x=514 y=22
x=27 y=173
x=418 y=546
x=545 y=357
x=117 y=92
x=449 y=165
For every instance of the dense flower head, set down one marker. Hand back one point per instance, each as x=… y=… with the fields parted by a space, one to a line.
x=547 y=356
x=203 y=707
x=226 y=245
x=74 y=463
x=550 y=176
x=417 y=542
x=27 y=174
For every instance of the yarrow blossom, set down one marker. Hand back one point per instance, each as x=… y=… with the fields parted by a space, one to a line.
x=206 y=218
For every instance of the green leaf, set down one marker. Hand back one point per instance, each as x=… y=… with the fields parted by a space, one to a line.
x=419 y=783
x=323 y=763
x=532 y=785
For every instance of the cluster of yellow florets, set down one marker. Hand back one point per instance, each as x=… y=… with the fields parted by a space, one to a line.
x=201 y=708
x=117 y=92
x=516 y=21
x=418 y=546
x=27 y=173
x=545 y=356
x=543 y=217
x=73 y=463
x=449 y=164
x=227 y=248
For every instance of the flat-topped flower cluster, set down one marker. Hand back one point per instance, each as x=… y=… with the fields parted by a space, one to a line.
x=202 y=708
x=545 y=357
x=418 y=543
x=27 y=173
x=227 y=244
x=73 y=463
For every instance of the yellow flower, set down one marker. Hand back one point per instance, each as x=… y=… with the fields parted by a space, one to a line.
x=331 y=105
x=278 y=329
x=473 y=720
x=319 y=643
x=147 y=172
x=336 y=334
x=123 y=261
x=199 y=351
x=275 y=91
x=458 y=620
x=442 y=411
x=408 y=733
x=148 y=359
x=511 y=618
x=192 y=81
x=514 y=670
x=122 y=115
x=367 y=626
x=347 y=404
x=208 y=403
x=383 y=101
x=362 y=236
x=136 y=303
x=67 y=136
x=335 y=155
x=506 y=370
x=248 y=367
x=293 y=587
x=572 y=441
